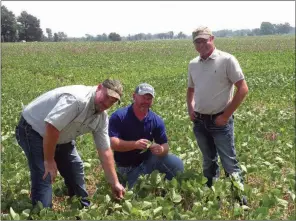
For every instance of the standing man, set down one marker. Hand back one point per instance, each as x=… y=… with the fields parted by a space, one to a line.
x=47 y=130
x=131 y=129
x=211 y=104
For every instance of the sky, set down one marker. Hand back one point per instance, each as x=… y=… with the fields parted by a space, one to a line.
x=77 y=18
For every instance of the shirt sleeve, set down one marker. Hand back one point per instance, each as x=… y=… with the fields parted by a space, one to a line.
x=100 y=136
x=65 y=110
x=189 y=80
x=159 y=133
x=115 y=125
x=234 y=71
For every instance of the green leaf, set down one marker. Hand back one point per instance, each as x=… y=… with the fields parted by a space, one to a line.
x=282 y=203
x=127 y=206
x=245 y=207
x=147 y=147
x=263 y=211
x=117 y=206
x=244 y=168
x=157 y=211
x=238 y=185
x=107 y=199
x=155 y=177
x=237 y=211
x=128 y=195
x=86 y=165
x=26 y=213
x=146 y=205
x=177 y=198
x=14 y=215
x=174 y=182
x=23 y=191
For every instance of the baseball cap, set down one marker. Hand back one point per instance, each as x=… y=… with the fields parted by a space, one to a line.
x=114 y=88
x=145 y=88
x=202 y=32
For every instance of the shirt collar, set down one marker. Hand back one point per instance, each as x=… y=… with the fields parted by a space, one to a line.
x=131 y=111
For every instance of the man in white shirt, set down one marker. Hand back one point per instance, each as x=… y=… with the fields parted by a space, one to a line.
x=211 y=103
x=47 y=131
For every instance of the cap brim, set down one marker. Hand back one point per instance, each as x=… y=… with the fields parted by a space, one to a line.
x=202 y=36
x=113 y=93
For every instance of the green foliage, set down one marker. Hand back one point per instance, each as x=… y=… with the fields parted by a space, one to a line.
x=264 y=130
x=8 y=25
x=29 y=27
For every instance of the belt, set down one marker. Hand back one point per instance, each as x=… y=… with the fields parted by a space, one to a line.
x=207 y=116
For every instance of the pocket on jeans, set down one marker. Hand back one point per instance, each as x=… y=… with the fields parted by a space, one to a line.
x=215 y=126
x=197 y=121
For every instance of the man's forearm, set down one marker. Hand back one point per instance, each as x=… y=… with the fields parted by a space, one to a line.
x=107 y=161
x=50 y=140
x=165 y=149
x=122 y=145
x=190 y=93
x=236 y=101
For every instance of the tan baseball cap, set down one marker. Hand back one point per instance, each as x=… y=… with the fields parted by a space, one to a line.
x=202 y=32
x=114 y=88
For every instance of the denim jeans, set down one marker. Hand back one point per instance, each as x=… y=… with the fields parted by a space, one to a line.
x=216 y=140
x=68 y=161
x=169 y=164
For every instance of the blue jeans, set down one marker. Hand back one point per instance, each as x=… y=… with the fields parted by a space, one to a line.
x=216 y=140
x=169 y=164
x=68 y=161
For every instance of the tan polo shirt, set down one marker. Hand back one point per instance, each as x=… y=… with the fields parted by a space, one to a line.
x=213 y=81
x=71 y=110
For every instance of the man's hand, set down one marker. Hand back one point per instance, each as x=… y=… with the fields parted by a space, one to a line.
x=141 y=144
x=157 y=149
x=221 y=120
x=192 y=115
x=118 y=191
x=50 y=168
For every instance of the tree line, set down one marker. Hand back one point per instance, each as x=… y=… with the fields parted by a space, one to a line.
x=26 y=27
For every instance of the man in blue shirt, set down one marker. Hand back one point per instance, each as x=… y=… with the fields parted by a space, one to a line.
x=131 y=130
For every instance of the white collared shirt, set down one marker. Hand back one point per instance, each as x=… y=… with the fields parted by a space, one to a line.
x=70 y=110
x=213 y=81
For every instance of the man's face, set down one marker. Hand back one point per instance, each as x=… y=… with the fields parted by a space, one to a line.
x=143 y=102
x=102 y=100
x=204 y=46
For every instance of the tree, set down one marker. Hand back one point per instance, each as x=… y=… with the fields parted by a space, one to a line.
x=89 y=37
x=62 y=36
x=49 y=34
x=256 y=31
x=181 y=35
x=267 y=28
x=114 y=36
x=8 y=25
x=170 y=34
x=29 y=27
x=283 y=28
x=55 y=37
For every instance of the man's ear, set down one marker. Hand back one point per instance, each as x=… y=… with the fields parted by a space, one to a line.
x=99 y=87
x=134 y=96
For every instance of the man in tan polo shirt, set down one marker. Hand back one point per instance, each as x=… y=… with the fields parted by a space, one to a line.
x=211 y=79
